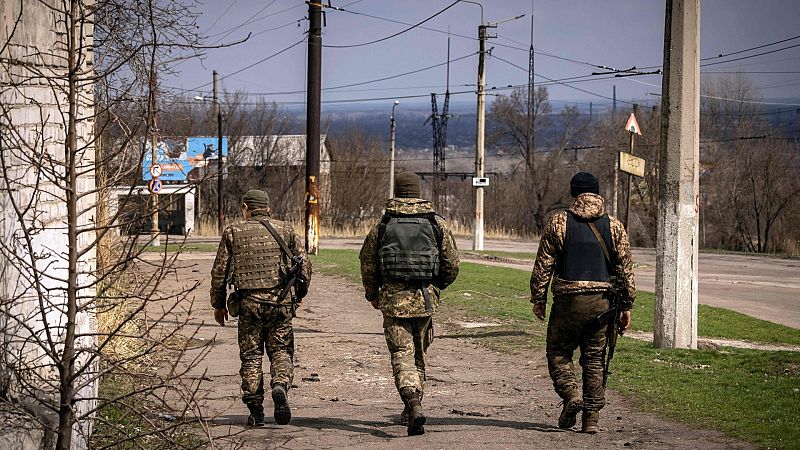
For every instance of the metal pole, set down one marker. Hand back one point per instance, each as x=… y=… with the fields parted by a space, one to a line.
x=391 y=152
x=615 y=185
x=313 y=126
x=220 y=208
x=628 y=190
x=477 y=233
x=154 y=235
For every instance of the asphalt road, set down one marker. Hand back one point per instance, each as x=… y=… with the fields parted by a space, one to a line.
x=760 y=286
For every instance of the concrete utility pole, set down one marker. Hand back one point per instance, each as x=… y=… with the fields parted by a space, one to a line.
x=155 y=239
x=391 y=150
x=312 y=126
x=675 y=319
x=220 y=209
x=628 y=186
x=477 y=229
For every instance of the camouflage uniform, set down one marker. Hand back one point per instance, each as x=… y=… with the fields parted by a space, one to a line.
x=265 y=320
x=577 y=303
x=408 y=327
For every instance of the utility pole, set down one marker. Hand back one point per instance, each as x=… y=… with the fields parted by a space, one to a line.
x=477 y=232
x=312 y=126
x=220 y=209
x=155 y=239
x=391 y=151
x=675 y=318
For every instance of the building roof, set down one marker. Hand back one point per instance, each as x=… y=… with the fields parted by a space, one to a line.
x=274 y=150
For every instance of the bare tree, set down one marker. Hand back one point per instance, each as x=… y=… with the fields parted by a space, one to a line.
x=71 y=71
x=751 y=175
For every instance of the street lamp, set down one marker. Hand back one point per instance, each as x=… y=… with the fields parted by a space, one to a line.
x=391 y=151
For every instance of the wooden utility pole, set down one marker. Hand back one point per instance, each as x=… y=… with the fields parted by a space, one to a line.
x=220 y=206
x=675 y=318
x=155 y=239
x=313 y=126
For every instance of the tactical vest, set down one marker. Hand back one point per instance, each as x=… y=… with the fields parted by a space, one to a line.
x=582 y=258
x=408 y=247
x=256 y=258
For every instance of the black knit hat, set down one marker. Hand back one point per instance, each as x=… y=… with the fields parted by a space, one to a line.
x=255 y=199
x=407 y=185
x=584 y=182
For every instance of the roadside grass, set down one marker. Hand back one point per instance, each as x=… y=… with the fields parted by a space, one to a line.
x=133 y=422
x=749 y=394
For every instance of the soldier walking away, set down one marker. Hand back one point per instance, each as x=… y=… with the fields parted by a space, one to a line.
x=588 y=256
x=406 y=260
x=264 y=260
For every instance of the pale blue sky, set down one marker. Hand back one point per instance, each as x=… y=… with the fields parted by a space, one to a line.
x=617 y=33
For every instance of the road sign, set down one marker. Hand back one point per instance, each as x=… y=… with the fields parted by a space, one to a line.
x=632 y=125
x=631 y=164
x=155 y=186
x=480 y=181
x=155 y=170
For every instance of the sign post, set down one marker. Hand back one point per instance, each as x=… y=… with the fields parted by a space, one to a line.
x=633 y=128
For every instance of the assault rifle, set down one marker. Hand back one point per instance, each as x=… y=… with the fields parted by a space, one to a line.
x=610 y=319
x=292 y=279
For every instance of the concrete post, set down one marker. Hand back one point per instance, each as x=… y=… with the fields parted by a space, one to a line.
x=477 y=228
x=675 y=320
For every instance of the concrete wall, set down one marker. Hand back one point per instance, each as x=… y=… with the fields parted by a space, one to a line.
x=33 y=229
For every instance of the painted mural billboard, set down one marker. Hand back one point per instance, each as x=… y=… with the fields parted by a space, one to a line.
x=183 y=159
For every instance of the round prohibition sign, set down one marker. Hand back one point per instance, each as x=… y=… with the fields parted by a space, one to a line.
x=155 y=170
x=155 y=186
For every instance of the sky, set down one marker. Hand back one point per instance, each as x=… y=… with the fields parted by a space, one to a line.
x=570 y=37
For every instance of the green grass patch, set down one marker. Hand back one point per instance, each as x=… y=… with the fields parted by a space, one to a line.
x=749 y=394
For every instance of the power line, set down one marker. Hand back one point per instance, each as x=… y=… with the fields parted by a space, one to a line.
x=254 y=18
x=562 y=83
x=250 y=66
x=463 y=36
x=395 y=34
x=750 y=49
x=751 y=56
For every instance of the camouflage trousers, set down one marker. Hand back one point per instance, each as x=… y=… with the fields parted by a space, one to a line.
x=571 y=326
x=408 y=340
x=264 y=326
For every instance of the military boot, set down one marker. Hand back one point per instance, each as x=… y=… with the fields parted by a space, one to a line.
x=569 y=412
x=406 y=412
x=416 y=419
x=256 y=417
x=589 y=421
x=282 y=412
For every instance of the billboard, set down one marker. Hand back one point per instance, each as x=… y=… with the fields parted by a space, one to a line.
x=182 y=159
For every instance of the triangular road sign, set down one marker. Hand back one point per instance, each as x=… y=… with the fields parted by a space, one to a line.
x=632 y=125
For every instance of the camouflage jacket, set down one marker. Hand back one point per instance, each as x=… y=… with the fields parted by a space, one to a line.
x=402 y=299
x=586 y=206
x=220 y=277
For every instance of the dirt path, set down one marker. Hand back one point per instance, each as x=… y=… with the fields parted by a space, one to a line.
x=475 y=397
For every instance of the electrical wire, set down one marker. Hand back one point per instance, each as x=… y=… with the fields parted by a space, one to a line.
x=463 y=36
x=562 y=83
x=248 y=66
x=395 y=34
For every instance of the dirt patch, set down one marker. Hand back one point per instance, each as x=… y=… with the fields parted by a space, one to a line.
x=713 y=343
x=345 y=395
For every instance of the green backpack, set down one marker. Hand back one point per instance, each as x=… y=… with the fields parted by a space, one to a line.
x=408 y=247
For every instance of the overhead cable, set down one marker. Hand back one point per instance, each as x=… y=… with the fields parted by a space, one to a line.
x=395 y=34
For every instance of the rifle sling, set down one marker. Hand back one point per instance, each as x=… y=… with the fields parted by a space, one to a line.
x=601 y=241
